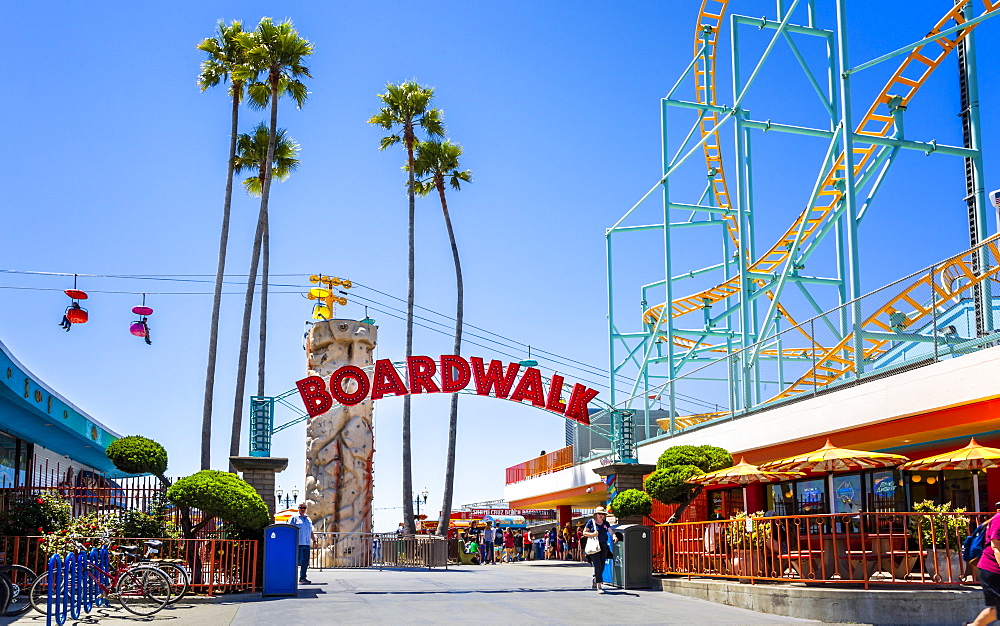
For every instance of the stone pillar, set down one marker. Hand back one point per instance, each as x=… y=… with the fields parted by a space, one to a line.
x=624 y=476
x=340 y=443
x=259 y=471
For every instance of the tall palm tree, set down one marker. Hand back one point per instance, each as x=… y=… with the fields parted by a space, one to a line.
x=225 y=63
x=277 y=51
x=436 y=162
x=405 y=108
x=251 y=155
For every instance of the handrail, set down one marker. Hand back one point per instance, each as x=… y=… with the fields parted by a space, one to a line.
x=545 y=464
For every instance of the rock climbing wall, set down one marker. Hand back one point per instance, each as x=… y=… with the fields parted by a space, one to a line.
x=340 y=444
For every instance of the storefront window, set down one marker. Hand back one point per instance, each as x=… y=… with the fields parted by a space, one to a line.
x=781 y=498
x=885 y=492
x=953 y=486
x=848 y=493
x=810 y=496
x=12 y=460
x=725 y=503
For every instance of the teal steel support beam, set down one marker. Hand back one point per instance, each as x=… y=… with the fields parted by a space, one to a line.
x=761 y=23
x=850 y=201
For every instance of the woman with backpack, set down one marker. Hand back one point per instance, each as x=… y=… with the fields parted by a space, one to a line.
x=989 y=570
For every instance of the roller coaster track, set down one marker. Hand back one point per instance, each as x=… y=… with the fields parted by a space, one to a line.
x=877 y=122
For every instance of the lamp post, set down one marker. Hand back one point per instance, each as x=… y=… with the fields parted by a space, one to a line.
x=288 y=498
x=417 y=500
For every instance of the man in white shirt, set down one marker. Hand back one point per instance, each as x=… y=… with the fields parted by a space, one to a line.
x=306 y=537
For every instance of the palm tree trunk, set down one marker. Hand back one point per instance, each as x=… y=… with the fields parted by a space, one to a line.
x=213 y=333
x=411 y=526
x=262 y=345
x=449 y=476
x=241 y=372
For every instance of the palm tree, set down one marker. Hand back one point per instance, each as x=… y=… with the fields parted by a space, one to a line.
x=251 y=152
x=276 y=50
x=435 y=162
x=405 y=107
x=225 y=62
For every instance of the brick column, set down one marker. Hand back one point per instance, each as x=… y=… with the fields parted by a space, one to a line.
x=259 y=471
x=625 y=476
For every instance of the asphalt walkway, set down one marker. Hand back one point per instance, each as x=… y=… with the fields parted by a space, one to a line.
x=548 y=592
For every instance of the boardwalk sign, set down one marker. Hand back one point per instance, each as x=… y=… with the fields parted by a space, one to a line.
x=351 y=385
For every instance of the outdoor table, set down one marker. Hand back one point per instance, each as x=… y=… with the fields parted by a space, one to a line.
x=891 y=550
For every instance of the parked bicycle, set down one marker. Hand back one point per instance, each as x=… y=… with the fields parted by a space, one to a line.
x=180 y=580
x=15 y=581
x=141 y=589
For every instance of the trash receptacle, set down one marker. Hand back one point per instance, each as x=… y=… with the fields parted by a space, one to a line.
x=633 y=562
x=539 y=549
x=280 y=552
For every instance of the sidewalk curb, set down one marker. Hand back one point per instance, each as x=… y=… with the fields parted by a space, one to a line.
x=229 y=597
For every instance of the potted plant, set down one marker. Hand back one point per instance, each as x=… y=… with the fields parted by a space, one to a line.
x=747 y=535
x=940 y=531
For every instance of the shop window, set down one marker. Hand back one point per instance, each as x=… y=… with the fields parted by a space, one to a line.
x=725 y=503
x=13 y=460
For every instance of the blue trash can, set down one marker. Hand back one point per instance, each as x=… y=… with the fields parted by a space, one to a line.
x=539 y=549
x=280 y=551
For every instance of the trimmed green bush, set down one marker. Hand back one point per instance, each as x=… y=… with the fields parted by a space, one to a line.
x=632 y=502
x=668 y=484
x=676 y=466
x=218 y=494
x=139 y=455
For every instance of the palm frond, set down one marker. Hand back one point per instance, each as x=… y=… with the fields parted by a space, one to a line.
x=251 y=154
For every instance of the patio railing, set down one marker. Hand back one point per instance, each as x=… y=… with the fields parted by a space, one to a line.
x=215 y=565
x=381 y=550
x=551 y=462
x=861 y=548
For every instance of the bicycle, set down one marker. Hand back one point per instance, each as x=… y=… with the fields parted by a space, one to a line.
x=141 y=589
x=18 y=579
x=180 y=580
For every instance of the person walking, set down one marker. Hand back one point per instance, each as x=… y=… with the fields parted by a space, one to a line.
x=529 y=544
x=573 y=541
x=509 y=546
x=487 y=546
x=989 y=571
x=598 y=529
x=518 y=545
x=306 y=537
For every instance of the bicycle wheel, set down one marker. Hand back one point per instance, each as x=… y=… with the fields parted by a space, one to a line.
x=179 y=580
x=38 y=594
x=20 y=578
x=143 y=590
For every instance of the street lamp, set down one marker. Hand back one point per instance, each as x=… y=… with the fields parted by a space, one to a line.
x=416 y=501
x=288 y=498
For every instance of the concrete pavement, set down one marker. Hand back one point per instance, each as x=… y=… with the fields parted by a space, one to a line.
x=548 y=592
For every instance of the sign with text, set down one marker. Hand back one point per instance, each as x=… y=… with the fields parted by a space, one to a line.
x=455 y=374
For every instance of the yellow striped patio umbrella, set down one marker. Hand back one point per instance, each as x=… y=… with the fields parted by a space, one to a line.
x=743 y=473
x=832 y=459
x=283 y=516
x=972 y=457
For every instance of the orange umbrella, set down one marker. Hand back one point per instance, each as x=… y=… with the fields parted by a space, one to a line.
x=972 y=457
x=283 y=516
x=742 y=473
x=831 y=459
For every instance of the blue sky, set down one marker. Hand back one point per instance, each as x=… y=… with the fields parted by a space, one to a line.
x=120 y=166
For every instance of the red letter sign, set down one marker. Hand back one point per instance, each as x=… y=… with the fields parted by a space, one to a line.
x=494 y=377
x=337 y=385
x=578 y=399
x=314 y=395
x=450 y=363
x=386 y=380
x=555 y=401
x=530 y=388
x=420 y=369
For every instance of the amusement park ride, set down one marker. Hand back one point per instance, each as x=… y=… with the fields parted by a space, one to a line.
x=736 y=341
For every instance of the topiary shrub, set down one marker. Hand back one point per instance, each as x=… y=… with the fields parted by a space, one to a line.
x=218 y=494
x=139 y=455
x=632 y=502
x=676 y=466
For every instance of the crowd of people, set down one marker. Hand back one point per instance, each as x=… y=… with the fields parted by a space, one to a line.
x=490 y=545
